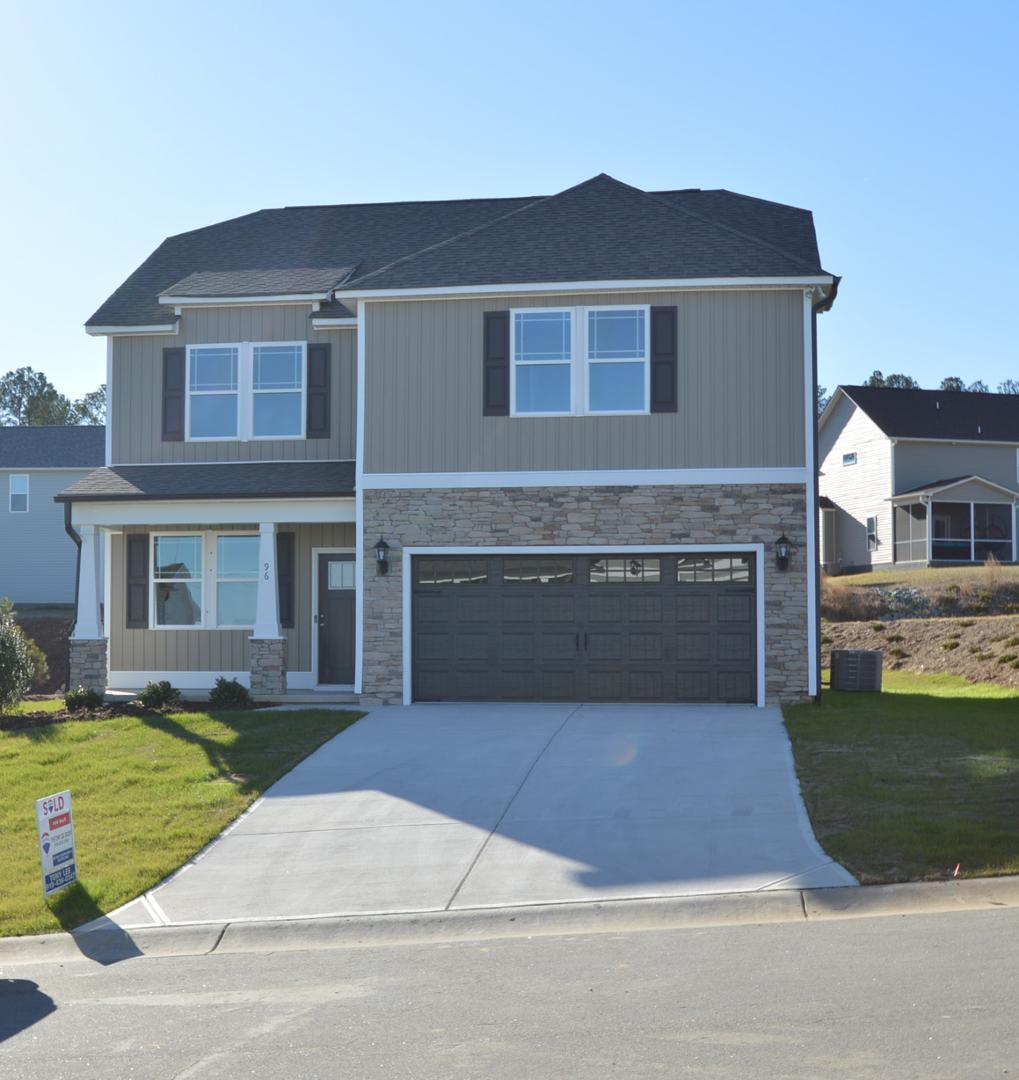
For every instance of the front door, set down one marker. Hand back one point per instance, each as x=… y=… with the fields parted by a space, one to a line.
x=335 y=620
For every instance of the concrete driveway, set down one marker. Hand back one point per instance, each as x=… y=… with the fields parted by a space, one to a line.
x=434 y=807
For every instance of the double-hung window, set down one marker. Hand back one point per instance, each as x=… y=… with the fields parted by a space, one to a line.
x=18 y=493
x=249 y=390
x=580 y=361
x=181 y=598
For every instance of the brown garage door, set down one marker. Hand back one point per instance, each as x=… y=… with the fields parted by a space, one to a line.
x=584 y=628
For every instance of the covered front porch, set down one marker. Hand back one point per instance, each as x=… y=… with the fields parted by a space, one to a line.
x=966 y=519
x=259 y=588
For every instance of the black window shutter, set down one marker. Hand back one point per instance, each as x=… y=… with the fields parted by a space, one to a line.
x=174 y=364
x=137 y=584
x=496 y=363
x=286 y=577
x=664 y=360
x=318 y=389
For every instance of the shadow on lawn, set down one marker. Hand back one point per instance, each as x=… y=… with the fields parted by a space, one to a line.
x=98 y=938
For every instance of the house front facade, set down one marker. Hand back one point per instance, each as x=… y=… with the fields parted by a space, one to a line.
x=537 y=449
x=919 y=477
x=37 y=557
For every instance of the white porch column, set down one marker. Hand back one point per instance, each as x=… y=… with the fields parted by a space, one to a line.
x=88 y=626
x=929 y=503
x=267 y=616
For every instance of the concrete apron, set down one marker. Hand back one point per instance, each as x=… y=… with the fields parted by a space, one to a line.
x=438 y=808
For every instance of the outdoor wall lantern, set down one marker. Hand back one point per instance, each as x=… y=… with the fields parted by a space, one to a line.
x=782 y=549
x=382 y=556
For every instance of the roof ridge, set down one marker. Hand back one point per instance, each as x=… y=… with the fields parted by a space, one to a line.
x=405 y=202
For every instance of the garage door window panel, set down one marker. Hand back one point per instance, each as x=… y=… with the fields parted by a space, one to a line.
x=529 y=571
x=625 y=571
x=714 y=570
x=448 y=572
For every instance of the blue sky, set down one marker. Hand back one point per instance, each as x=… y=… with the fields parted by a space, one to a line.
x=896 y=124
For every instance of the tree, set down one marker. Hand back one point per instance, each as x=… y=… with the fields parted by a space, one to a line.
x=29 y=399
x=953 y=382
x=893 y=382
x=1009 y=386
x=16 y=666
x=978 y=387
x=823 y=397
x=91 y=409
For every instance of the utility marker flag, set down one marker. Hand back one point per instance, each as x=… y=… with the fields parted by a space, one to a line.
x=56 y=842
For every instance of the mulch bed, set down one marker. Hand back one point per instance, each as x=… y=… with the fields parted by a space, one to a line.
x=979 y=649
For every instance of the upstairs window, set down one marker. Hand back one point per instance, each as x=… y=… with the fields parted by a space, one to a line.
x=18 y=493
x=849 y=459
x=579 y=361
x=246 y=391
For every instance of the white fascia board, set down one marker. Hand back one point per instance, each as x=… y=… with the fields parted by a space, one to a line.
x=334 y=324
x=584 y=478
x=954 y=442
x=212 y=512
x=231 y=301
x=830 y=407
x=638 y=285
x=116 y=331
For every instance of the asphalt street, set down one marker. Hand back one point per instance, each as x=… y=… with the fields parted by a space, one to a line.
x=921 y=996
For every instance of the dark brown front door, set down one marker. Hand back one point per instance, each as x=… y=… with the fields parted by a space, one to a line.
x=335 y=619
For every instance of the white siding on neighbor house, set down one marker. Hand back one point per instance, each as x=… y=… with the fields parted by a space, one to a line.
x=37 y=557
x=861 y=490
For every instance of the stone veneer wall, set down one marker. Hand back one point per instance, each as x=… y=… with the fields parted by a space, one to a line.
x=268 y=665
x=87 y=664
x=642 y=516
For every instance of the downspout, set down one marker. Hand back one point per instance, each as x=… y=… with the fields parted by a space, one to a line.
x=69 y=529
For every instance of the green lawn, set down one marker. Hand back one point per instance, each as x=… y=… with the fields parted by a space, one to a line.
x=147 y=793
x=904 y=785
x=44 y=705
x=938 y=577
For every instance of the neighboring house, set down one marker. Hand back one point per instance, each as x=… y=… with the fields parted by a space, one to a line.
x=531 y=449
x=37 y=557
x=918 y=476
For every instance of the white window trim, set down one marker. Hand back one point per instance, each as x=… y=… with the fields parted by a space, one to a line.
x=207 y=577
x=579 y=361
x=11 y=493
x=246 y=392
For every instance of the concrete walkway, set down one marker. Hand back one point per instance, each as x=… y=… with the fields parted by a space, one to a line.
x=439 y=807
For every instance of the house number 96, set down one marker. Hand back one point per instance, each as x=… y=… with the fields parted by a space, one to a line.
x=265 y=568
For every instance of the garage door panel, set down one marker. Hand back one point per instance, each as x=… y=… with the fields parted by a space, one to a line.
x=584 y=629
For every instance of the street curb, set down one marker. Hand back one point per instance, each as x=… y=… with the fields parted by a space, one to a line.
x=110 y=944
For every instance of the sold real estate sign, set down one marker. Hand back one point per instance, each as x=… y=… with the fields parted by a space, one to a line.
x=56 y=842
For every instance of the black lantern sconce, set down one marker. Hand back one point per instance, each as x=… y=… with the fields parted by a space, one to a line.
x=782 y=549
x=382 y=556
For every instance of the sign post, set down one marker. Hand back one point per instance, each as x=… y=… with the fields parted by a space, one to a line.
x=56 y=842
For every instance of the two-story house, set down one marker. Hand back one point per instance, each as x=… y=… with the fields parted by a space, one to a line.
x=528 y=449
x=37 y=558
x=918 y=476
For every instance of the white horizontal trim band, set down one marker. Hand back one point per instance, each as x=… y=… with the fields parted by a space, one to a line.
x=224 y=301
x=643 y=284
x=334 y=324
x=155 y=328
x=152 y=512
x=584 y=478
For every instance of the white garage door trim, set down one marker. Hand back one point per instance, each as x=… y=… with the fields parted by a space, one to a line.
x=409 y=554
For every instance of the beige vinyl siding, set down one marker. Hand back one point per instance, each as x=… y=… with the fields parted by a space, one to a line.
x=137 y=387
x=861 y=490
x=919 y=463
x=740 y=390
x=216 y=650
x=973 y=492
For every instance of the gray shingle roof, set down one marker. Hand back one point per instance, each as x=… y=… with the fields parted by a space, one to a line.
x=939 y=414
x=52 y=447
x=240 y=480
x=603 y=230
x=268 y=282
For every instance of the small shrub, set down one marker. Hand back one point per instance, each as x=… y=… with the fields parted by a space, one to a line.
x=878 y=626
x=82 y=700
x=1012 y=641
x=40 y=666
x=1008 y=658
x=963 y=623
x=998 y=637
x=158 y=695
x=985 y=656
x=895 y=637
x=954 y=589
x=16 y=667
x=897 y=653
x=948 y=646
x=974 y=649
x=230 y=694
x=825 y=640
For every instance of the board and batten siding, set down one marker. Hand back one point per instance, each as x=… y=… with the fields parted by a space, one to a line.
x=861 y=490
x=918 y=463
x=216 y=650
x=38 y=559
x=740 y=390
x=136 y=413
